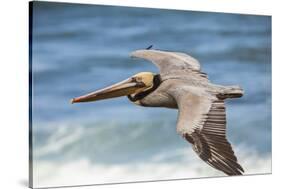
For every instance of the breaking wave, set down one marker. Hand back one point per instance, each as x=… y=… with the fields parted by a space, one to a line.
x=83 y=172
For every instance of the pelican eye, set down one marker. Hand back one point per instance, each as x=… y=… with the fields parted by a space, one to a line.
x=138 y=79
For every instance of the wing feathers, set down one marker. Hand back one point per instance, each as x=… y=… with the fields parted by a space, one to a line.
x=170 y=62
x=209 y=136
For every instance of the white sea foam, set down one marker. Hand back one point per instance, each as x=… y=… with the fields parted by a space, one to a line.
x=84 y=172
x=59 y=140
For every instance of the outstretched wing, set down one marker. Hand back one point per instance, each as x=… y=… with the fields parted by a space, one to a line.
x=168 y=61
x=202 y=122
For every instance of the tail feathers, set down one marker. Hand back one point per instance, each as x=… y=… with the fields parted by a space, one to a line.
x=231 y=92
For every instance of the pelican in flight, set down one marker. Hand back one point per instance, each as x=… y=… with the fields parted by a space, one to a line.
x=181 y=85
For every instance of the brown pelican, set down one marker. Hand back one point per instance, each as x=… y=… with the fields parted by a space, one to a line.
x=181 y=85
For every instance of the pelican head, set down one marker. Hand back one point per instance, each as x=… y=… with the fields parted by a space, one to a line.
x=130 y=87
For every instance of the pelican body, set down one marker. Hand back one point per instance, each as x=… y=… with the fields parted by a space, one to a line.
x=181 y=85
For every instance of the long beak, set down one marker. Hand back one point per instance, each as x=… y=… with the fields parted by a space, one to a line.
x=123 y=88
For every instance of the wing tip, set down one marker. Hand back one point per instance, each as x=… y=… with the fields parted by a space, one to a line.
x=137 y=53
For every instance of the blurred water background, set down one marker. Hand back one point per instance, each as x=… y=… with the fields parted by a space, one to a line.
x=77 y=49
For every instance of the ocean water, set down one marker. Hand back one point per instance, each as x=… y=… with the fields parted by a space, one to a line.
x=77 y=49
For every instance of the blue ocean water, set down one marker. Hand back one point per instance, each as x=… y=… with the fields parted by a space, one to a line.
x=77 y=49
